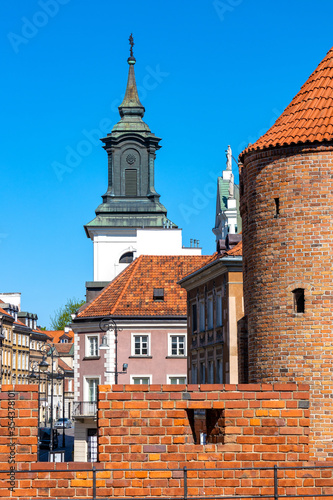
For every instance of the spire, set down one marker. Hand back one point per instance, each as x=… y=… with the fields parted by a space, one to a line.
x=309 y=116
x=131 y=104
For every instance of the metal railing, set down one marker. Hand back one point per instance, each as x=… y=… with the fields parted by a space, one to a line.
x=185 y=476
x=84 y=408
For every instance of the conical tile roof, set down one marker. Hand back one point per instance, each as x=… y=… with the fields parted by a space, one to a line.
x=309 y=116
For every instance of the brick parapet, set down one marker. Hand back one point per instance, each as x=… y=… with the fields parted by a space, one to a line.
x=257 y=423
x=266 y=424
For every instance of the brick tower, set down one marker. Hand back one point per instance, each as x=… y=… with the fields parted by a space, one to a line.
x=286 y=189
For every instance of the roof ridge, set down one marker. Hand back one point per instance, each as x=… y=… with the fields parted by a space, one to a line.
x=135 y=265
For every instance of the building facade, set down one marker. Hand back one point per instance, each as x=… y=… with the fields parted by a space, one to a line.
x=142 y=316
x=214 y=307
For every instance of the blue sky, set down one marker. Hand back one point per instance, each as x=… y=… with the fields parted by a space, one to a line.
x=210 y=73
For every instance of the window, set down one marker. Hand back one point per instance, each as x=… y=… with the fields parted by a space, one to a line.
x=177 y=346
x=219 y=309
x=141 y=379
x=70 y=385
x=202 y=373
x=92 y=445
x=14 y=338
x=176 y=379
x=92 y=384
x=211 y=372
x=19 y=339
x=126 y=258
x=92 y=345
x=219 y=371
x=130 y=182
x=210 y=318
x=140 y=345
x=158 y=294
x=194 y=374
x=194 y=318
x=202 y=316
x=14 y=360
x=299 y=300
x=19 y=361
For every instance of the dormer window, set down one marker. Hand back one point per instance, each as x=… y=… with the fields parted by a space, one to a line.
x=158 y=294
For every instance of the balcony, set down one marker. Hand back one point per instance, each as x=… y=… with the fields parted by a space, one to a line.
x=84 y=409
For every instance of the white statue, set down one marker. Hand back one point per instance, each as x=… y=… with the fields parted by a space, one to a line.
x=229 y=158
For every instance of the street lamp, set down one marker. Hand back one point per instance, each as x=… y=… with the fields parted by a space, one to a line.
x=2 y=338
x=62 y=377
x=105 y=325
x=33 y=376
x=43 y=365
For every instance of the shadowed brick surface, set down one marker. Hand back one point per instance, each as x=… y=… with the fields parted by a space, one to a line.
x=287 y=251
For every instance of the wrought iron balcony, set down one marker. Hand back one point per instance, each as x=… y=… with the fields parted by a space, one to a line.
x=84 y=408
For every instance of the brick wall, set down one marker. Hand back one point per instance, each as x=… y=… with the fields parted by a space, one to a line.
x=287 y=251
x=145 y=439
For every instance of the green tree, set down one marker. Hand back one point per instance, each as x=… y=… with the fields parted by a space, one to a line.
x=62 y=316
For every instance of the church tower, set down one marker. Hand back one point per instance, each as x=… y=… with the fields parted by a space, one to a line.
x=286 y=189
x=131 y=220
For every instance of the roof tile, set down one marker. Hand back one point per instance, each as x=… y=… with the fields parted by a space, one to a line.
x=309 y=116
x=131 y=292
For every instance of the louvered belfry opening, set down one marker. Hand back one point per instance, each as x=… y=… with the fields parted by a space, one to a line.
x=131 y=182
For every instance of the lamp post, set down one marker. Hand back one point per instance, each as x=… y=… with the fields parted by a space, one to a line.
x=62 y=377
x=2 y=338
x=105 y=325
x=43 y=365
x=33 y=376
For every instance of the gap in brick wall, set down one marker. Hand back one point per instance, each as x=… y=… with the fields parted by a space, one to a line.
x=207 y=425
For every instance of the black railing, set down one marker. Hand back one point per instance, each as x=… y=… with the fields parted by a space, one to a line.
x=185 y=476
x=84 y=408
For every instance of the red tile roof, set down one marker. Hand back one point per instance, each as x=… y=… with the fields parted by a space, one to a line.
x=64 y=365
x=64 y=348
x=131 y=292
x=309 y=116
x=2 y=311
x=55 y=335
x=236 y=250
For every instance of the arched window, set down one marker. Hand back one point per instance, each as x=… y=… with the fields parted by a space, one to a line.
x=126 y=258
x=299 y=300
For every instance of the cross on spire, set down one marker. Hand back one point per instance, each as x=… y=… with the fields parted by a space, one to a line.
x=131 y=41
